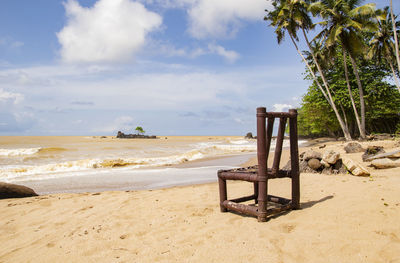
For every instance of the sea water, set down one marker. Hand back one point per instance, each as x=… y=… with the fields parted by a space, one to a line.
x=91 y=163
x=44 y=157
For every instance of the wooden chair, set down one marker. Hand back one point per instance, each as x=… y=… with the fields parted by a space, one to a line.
x=266 y=205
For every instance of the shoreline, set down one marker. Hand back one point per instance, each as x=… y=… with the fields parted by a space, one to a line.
x=190 y=173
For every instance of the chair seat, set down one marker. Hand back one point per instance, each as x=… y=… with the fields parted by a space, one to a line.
x=250 y=174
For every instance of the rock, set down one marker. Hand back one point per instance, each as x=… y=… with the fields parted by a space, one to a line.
x=304 y=168
x=371 y=151
x=15 y=191
x=382 y=136
x=354 y=168
x=338 y=164
x=314 y=164
x=360 y=171
x=330 y=157
x=386 y=163
x=327 y=170
x=288 y=166
x=249 y=135
x=353 y=147
x=310 y=154
x=393 y=154
x=325 y=164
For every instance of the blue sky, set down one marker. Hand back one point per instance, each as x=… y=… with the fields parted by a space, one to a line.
x=174 y=67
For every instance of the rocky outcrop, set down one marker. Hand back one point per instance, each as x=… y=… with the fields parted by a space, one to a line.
x=122 y=135
x=249 y=135
x=329 y=162
x=15 y=191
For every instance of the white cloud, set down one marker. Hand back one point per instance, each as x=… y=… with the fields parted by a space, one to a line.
x=282 y=107
x=230 y=55
x=222 y=18
x=110 y=31
x=14 y=98
x=216 y=18
x=10 y=42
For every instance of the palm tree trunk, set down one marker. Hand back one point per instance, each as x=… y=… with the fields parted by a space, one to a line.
x=346 y=73
x=394 y=74
x=361 y=92
x=396 y=43
x=342 y=124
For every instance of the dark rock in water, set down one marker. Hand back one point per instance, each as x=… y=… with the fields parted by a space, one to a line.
x=353 y=147
x=249 y=135
x=314 y=164
x=371 y=151
x=15 y=191
x=122 y=135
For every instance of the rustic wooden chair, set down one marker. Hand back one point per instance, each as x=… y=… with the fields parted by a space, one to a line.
x=266 y=205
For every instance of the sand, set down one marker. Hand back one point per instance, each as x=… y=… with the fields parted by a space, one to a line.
x=343 y=219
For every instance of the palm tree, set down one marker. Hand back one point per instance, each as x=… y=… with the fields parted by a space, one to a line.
x=396 y=43
x=381 y=44
x=343 y=22
x=290 y=16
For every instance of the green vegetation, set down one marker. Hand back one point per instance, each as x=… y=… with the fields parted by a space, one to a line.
x=139 y=130
x=349 y=61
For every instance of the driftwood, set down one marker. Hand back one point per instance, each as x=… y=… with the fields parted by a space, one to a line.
x=386 y=163
x=394 y=154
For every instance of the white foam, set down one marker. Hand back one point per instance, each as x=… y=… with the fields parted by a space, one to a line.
x=18 y=152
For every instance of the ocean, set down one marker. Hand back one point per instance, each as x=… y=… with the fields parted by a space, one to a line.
x=92 y=163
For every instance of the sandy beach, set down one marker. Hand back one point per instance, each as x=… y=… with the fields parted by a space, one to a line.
x=343 y=218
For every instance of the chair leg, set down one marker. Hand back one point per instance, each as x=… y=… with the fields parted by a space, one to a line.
x=256 y=192
x=262 y=201
x=296 y=192
x=222 y=194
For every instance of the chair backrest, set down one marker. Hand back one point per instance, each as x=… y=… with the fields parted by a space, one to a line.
x=265 y=125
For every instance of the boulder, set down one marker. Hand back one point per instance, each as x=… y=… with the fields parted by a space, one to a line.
x=372 y=151
x=330 y=157
x=310 y=154
x=15 y=191
x=314 y=163
x=386 y=163
x=353 y=147
x=354 y=168
x=304 y=168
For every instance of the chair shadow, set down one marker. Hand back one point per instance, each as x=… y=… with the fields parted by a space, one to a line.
x=312 y=203
x=304 y=205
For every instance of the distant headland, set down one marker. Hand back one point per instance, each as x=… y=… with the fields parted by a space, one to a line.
x=122 y=135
